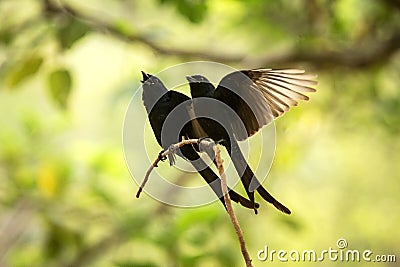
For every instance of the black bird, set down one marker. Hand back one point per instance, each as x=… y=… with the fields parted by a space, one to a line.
x=159 y=104
x=256 y=97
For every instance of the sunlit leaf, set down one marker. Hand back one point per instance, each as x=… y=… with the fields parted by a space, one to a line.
x=52 y=177
x=23 y=70
x=60 y=83
x=47 y=181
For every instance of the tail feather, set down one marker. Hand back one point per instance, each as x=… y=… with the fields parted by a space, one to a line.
x=267 y=196
x=249 y=180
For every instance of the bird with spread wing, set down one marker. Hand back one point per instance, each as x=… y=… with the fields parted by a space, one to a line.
x=255 y=98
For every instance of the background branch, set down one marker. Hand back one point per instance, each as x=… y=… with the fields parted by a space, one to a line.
x=371 y=54
x=376 y=53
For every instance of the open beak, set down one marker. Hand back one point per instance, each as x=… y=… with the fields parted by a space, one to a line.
x=145 y=76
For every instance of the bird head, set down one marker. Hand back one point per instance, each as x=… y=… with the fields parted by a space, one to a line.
x=152 y=83
x=200 y=86
x=197 y=79
x=145 y=76
x=149 y=79
x=153 y=89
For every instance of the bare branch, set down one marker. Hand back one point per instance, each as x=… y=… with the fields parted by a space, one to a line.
x=229 y=207
x=146 y=177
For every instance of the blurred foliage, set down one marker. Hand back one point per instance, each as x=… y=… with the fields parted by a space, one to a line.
x=68 y=69
x=192 y=10
x=60 y=83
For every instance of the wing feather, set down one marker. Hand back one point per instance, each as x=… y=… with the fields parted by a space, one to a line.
x=284 y=87
x=267 y=93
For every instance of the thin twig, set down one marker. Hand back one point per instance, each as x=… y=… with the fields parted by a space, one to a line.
x=146 y=177
x=229 y=207
x=160 y=156
x=224 y=186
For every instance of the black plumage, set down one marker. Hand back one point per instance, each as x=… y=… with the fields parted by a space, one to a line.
x=162 y=105
x=248 y=100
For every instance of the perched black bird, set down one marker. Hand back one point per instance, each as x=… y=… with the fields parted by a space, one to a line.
x=255 y=97
x=162 y=105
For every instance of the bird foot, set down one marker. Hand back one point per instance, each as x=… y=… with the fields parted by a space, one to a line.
x=206 y=147
x=161 y=157
x=171 y=155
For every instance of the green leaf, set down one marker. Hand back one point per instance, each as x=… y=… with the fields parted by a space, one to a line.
x=22 y=71
x=194 y=11
x=6 y=36
x=60 y=83
x=71 y=31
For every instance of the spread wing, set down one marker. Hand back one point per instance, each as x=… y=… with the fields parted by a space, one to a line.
x=258 y=96
x=283 y=88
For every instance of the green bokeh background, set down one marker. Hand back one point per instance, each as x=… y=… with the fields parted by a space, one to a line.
x=68 y=70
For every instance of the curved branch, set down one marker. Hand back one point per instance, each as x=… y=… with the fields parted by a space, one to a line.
x=101 y=26
x=376 y=53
